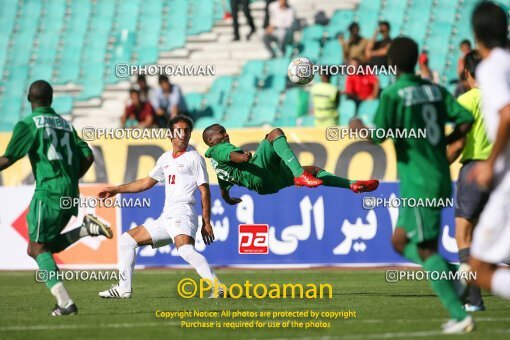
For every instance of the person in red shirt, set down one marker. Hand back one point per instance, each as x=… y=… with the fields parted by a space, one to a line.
x=360 y=87
x=138 y=114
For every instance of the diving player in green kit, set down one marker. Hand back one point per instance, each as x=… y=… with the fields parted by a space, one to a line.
x=423 y=168
x=59 y=158
x=274 y=166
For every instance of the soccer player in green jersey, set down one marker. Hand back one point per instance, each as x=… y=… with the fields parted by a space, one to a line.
x=274 y=166
x=471 y=199
x=413 y=103
x=59 y=158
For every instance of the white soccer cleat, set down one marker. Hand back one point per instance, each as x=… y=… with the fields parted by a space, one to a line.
x=459 y=327
x=115 y=293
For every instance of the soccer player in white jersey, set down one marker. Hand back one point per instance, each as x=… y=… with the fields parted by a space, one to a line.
x=183 y=171
x=491 y=239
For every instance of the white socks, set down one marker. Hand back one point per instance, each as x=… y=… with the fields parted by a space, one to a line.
x=60 y=293
x=198 y=261
x=127 y=253
x=500 y=283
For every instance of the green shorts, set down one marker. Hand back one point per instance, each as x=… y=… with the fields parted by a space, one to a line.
x=45 y=222
x=277 y=175
x=420 y=224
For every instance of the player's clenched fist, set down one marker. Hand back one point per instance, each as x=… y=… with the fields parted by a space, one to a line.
x=108 y=192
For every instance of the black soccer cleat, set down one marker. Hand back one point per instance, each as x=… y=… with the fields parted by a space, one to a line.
x=95 y=227
x=63 y=311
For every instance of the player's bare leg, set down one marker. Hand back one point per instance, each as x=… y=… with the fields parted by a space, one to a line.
x=491 y=277
x=301 y=177
x=463 y=236
x=331 y=180
x=128 y=242
x=41 y=253
x=186 y=248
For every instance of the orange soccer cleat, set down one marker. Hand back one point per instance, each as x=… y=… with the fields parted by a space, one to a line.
x=307 y=180
x=364 y=186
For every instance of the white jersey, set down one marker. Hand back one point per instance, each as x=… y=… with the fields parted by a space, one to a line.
x=182 y=175
x=493 y=76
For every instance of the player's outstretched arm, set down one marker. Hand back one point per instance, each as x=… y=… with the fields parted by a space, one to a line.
x=230 y=200
x=133 y=187
x=5 y=163
x=237 y=157
x=207 y=230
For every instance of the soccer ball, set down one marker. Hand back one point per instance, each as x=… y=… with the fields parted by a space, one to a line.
x=300 y=71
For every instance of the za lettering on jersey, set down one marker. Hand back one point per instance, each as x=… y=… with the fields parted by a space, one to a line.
x=253 y=239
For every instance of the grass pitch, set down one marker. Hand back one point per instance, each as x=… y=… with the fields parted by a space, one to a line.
x=383 y=310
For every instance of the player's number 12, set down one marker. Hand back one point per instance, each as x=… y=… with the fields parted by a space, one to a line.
x=171 y=179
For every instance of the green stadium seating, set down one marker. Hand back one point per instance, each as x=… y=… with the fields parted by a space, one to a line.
x=306 y=121
x=346 y=109
x=332 y=53
x=262 y=114
x=311 y=50
x=366 y=111
x=204 y=122
x=63 y=105
x=314 y=32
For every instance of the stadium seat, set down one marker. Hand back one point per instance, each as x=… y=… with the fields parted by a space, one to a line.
x=255 y=67
x=204 y=122
x=347 y=110
x=63 y=105
x=314 y=32
x=367 y=110
x=306 y=121
x=311 y=50
x=332 y=53
x=275 y=82
x=194 y=101
x=278 y=66
x=339 y=22
x=262 y=114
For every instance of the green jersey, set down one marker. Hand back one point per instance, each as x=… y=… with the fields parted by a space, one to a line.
x=414 y=104
x=55 y=152
x=265 y=173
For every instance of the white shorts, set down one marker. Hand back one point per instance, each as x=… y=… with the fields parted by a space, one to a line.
x=491 y=238
x=164 y=230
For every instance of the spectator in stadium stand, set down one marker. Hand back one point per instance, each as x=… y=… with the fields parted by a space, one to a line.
x=146 y=92
x=234 y=6
x=424 y=70
x=138 y=114
x=168 y=102
x=377 y=50
x=266 y=14
x=355 y=46
x=325 y=99
x=281 y=26
x=462 y=85
x=360 y=87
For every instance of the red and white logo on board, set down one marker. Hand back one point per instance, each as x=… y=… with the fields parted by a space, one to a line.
x=253 y=239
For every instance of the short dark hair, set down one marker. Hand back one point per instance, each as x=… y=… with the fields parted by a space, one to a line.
x=471 y=61
x=131 y=91
x=352 y=25
x=40 y=92
x=385 y=23
x=180 y=118
x=490 y=24
x=141 y=77
x=163 y=78
x=465 y=42
x=403 y=53
x=208 y=131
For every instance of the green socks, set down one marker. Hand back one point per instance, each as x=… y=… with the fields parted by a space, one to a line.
x=65 y=240
x=330 y=180
x=411 y=253
x=284 y=151
x=444 y=288
x=47 y=269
